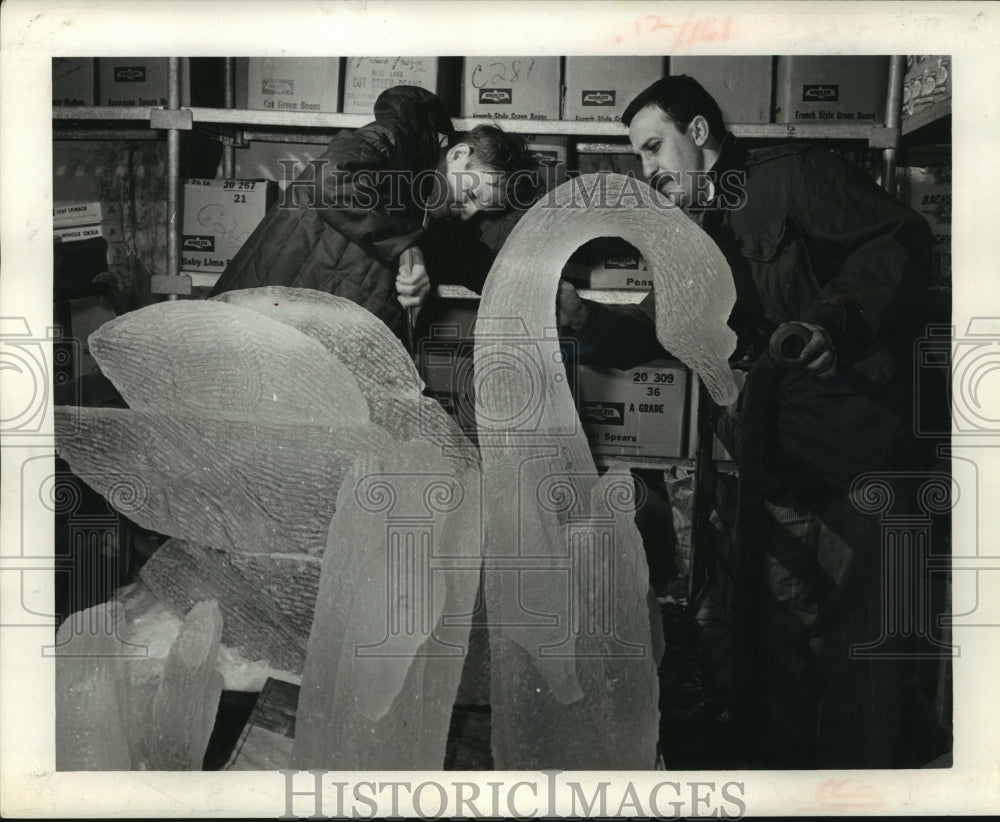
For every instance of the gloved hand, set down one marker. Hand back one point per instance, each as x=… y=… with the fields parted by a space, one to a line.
x=571 y=311
x=803 y=345
x=412 y=283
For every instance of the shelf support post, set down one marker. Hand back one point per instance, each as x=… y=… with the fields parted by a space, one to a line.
x=893 y=103
x=228 y=148
x=174 y=185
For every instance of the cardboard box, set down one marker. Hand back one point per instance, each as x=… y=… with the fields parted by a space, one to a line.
x=365 y=78
x=110 y=230
x=67 y=214
x=598 y=89
x=139 y=81
x=510 y=88
x=622 y=273
x=641 y=412
x=73 y=81
x=281 y=162
x=219 y=215
x=288 y=83
x=550 y=153
x=608 y=263
x=831 y=90
x=927 y=82
x=927 y=190
x=741 y=86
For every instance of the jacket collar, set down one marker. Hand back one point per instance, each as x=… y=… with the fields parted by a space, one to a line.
x=732 y=156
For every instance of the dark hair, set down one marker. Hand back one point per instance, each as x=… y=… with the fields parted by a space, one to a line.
x=493 y=147
x=681 y=98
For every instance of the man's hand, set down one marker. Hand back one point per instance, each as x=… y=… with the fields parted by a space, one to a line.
x=412 y=283
x=804 y=345
x=571 y=310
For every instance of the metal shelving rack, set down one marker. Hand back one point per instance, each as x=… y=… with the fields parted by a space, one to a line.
x=236 y=126
x=240 y=125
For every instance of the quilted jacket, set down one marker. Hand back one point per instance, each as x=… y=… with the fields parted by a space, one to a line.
x=815 y=240
x=341 y=225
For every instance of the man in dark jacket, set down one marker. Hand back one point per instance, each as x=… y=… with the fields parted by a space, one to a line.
x=344 y=224
x=812 y=242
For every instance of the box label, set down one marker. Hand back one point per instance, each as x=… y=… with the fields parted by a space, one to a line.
x=496 y=96
x=270 y=85
x=597 y=98
x=111 y=231
x=641 y=412
x=622 y=263
x=129 y=74
x=74 y=214
x=198 y=242
x=602 y=413
x=822 y=93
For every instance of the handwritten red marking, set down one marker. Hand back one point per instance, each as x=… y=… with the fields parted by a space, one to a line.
x=688 y=32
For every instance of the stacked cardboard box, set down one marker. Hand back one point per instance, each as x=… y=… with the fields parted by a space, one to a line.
x=288 y=83
x=139 y=81
x=828 y=89
x=927 y=190
x=89 y=245
x=77 y=221
x=740 y=85
x=927 y=82
x=511 y=88
x=219 y=215
x=599 y=88
x=367 y=77
x=72 y=81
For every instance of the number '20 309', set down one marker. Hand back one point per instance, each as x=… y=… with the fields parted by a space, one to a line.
x=660 y=377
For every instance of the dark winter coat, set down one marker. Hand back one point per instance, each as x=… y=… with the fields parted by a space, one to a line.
x=815 y=240
x=344 y=234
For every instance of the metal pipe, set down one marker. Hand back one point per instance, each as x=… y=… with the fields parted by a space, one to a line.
x=104 y=134
x=228 y=149
x=893 y=104
x=604 y=148
x=279 y=137
x=174 y=204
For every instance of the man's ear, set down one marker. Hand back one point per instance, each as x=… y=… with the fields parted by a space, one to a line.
x=458 y=152
x=699 y=130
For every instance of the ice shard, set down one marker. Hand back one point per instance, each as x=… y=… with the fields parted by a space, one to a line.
x=259 y=488
x=91 y=692
x=182 y=714
x=397 y=588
